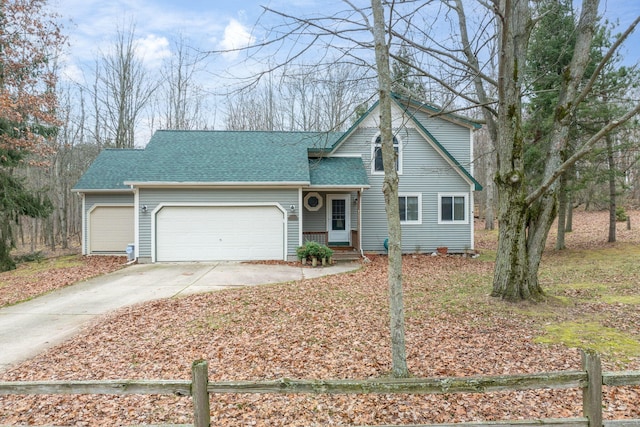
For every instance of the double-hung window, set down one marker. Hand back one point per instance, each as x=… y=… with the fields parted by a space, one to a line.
x=410 y=208
x=452 y=208
x=377 y=166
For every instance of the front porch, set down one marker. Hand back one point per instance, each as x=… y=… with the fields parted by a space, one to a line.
x=333 y=219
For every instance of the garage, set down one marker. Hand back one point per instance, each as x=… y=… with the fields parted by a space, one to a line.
x=110 y=229
x=219 y=233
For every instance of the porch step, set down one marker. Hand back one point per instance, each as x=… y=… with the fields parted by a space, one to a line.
x=341 y=253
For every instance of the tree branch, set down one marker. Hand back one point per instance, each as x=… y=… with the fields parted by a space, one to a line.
x=583 y=151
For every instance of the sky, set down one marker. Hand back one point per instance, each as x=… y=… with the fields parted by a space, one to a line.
x=91 y=26
x=217 y=24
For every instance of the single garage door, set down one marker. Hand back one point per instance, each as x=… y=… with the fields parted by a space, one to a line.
x=219 y=233
x=110 y=229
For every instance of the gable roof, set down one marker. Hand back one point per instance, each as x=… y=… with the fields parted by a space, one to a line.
x=436 y=144
x=221 y=158
x=338 y=172
x=436 y=111
x=225 y=157
x=108 y=169
x=253 y=158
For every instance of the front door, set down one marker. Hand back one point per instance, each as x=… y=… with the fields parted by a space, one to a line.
x=338 y=214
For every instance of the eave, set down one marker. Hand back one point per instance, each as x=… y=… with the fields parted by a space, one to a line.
x=101 y=190
x=223 y=184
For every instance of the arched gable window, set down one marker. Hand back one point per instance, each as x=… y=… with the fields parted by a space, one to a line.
x=377 y=166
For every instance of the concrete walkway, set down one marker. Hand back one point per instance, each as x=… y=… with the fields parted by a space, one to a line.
x=28 y=328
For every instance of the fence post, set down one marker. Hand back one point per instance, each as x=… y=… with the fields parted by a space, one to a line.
x=592 y=393
x=199 y=393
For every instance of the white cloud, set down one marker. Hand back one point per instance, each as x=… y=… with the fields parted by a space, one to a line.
x=72 y=73
x=153 y=49
x=236 y=36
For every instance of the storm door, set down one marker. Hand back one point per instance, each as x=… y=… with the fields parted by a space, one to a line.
x=338 y=215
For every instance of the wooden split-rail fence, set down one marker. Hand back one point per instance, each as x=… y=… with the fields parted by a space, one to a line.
x=590 y=379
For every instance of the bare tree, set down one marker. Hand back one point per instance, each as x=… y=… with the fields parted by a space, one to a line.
x=526 y=208
x=181 y=99
x=124 y=88
x=390 y=190
x=298 y=98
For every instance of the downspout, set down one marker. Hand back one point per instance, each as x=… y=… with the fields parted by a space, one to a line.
x=360 y=222
x=300 y=222
x=136 y=225
x=84 y=225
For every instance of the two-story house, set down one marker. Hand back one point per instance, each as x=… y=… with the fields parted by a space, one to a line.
x=234 y=195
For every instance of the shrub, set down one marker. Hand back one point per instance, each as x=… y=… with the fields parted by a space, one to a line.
x=326 y=252
x=621 y=215
x=313 y=249
x=31 y=257
x=301 y=252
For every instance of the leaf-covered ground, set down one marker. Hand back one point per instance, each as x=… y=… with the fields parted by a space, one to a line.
x=36 y=278
x=337 y=327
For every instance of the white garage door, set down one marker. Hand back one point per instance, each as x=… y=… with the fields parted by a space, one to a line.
x=219 y=233
x=110 y=229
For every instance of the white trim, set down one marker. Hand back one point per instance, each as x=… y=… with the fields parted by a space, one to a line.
x=300 y=218
x=336 y=187
x=85 y=230
x=310 y=208
x=466 y=208
x=472 y=216
x=136 y=223
x=213 y=205
x=419 y=197
x=373 y=154
x=108 y=190
x=347 y=213
x=360 y=194
x=235 y=184
x=341 y=155
x=471 y=158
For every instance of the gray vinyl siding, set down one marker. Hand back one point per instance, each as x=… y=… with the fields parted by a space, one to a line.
x=153 y=197
x=455 y=138
x=92 y=199
x=424 y=171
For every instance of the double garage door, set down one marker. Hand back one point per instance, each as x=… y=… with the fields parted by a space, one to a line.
x=219 y=233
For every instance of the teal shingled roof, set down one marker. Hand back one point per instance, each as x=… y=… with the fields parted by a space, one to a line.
x=211 y=157
x=225 y=156
x=338 y=171
x=110 y=169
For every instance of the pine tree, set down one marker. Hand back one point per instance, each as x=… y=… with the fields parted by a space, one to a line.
x=29 y=41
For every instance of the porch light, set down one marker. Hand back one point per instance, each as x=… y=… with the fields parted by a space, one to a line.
x=292 y=208
x=144 y=209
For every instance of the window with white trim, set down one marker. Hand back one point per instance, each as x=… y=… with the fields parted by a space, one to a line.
x=410 y=206
x=376 y=165
x=453 y=208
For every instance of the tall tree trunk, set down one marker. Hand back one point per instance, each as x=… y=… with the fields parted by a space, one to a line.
x=399 y=367
x=568 y=226
x=612 y=190
x=512 y=272
x=562 y=213
x=526 y=218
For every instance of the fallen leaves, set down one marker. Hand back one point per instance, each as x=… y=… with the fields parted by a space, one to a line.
x=37 y=278
x=328 y=328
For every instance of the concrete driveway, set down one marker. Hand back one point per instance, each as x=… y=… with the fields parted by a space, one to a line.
x=28 y=328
